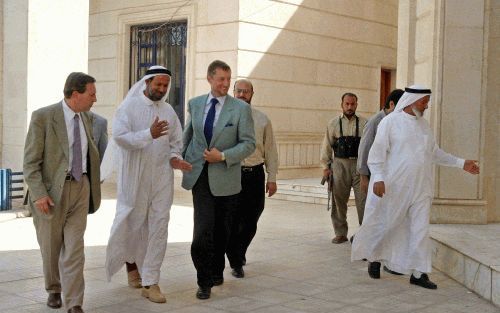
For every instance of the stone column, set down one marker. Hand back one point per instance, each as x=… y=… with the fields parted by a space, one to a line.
x=43 y=42
x=442 y=44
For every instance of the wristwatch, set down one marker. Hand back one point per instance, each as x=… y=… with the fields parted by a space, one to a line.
x=222 y=156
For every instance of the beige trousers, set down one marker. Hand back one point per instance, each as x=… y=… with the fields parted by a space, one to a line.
x=345 y=177
x=60 y=236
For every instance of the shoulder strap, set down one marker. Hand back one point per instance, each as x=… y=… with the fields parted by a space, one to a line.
x=357 y=126
x=340 y=123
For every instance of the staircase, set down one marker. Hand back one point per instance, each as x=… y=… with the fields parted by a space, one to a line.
x=307 y=190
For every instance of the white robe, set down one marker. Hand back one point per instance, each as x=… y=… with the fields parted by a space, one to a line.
x=144 y=186
x=395 y=227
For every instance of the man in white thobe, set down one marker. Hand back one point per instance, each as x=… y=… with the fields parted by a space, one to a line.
x=396 y=222
x=147 y=138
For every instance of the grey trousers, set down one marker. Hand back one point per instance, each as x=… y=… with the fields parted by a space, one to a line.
x=345 y=177
x=60 y=236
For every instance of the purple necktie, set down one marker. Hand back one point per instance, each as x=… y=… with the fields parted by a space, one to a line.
x=76 y=164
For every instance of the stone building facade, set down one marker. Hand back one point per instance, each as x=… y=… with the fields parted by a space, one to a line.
x=302 y=55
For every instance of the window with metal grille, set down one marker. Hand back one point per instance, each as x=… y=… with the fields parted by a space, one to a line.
x=161 y=44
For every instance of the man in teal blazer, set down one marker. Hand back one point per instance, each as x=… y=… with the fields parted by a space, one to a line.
x=218 y=136
x=61 y=169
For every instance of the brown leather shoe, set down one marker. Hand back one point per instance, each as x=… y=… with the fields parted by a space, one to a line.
x=54 y=300
x=339 y=239
x=76 y=309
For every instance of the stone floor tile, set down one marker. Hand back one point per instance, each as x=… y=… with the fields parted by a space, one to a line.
x=313 y=305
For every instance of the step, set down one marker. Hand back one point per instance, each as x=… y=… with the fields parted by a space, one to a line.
x=307 y=190
x=470 y=254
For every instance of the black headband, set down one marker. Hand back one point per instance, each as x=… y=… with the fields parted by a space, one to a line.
x=159 y=71
x=411 y=90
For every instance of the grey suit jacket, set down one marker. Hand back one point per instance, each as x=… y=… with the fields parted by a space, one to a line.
x=100 y=132
x=233 y=134
x=46 y=156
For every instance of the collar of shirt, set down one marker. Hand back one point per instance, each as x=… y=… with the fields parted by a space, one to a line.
x=220 y=99
x=69 y=114
x=148 y=101
x=353 y=118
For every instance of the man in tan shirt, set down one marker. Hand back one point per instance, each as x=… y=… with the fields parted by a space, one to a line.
x=339 y=153
x=253 y=182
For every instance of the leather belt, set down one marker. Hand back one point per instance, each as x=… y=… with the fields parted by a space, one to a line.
x=70 y=177
x=251 y=168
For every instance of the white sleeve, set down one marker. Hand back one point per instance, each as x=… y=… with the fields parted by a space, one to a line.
x=377 y=156
x=442 y=158
x=175 y=138
x=125 y=137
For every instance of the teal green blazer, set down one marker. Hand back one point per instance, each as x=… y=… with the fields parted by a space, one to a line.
x=233 y=134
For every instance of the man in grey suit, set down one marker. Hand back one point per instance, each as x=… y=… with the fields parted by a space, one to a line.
x=100 y=132
x=61 y=168
x=218 y=136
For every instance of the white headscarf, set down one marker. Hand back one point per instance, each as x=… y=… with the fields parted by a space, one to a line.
x=411 y=95
x=138 y=88
x=109 y=162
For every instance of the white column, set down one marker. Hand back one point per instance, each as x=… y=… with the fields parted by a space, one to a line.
x=44 y=41
x=447 y=54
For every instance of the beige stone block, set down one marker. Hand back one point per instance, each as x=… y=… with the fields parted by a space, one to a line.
x=322 y=23
x=320 y=99
x=209 y=37
x=12 y=156
x=465 y=13
x=106 y=94
x=285 y=42
x=14 y=135
x=495 y=285
x=478 y=277
x=103 y=69
x=424 y=7
x=16 y=116
x=275 y=67
x=103 y=47
x=214 y=12
x=202 y=60
x=103 y=23
x=348 y=75
x=449 y=261
x=461 y=50
x=457 y=213
x=379 y=11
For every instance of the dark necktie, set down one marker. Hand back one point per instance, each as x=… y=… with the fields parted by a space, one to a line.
x=76 y=164
x=209 y=121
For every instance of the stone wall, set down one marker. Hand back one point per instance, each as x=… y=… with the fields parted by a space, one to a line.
x=446 y=45
x=303 y=55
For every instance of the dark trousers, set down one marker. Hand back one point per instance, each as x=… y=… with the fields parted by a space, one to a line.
x=250 y=207
x=212 y=225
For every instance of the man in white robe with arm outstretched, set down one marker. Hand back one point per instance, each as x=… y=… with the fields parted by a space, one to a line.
x=147 y=145
x=396 y=222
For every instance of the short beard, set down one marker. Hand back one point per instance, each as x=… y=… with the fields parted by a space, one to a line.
x=417 y=113
x=152 y=96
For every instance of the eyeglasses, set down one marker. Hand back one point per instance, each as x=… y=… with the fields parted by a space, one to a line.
x=243 y=91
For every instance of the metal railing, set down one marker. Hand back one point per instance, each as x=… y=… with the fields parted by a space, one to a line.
x=9 y=186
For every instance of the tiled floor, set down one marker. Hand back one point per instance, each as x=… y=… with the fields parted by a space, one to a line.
x=292 y=268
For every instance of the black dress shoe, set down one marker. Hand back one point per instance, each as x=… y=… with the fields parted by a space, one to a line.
x=76 y=309
x=238 y=272
x=386 y=269
x=54 y=300
x=374 y=270
x=423 y=281
x=203 y=293
x=218 y=280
